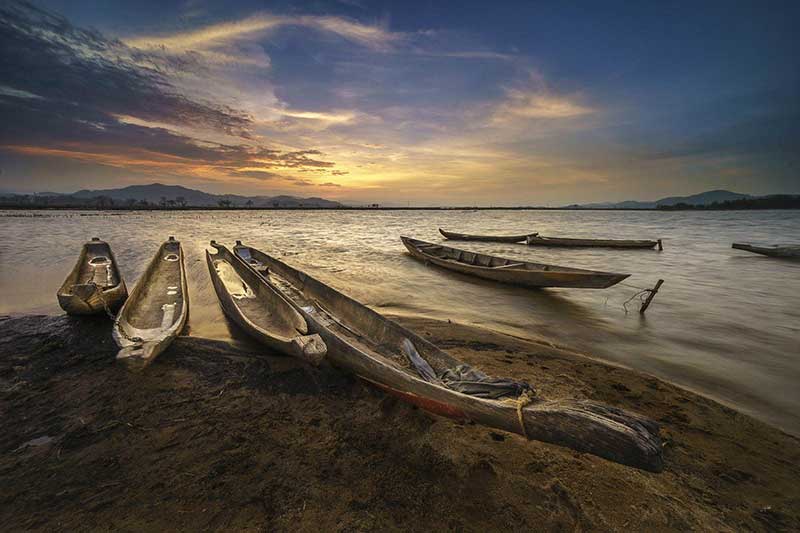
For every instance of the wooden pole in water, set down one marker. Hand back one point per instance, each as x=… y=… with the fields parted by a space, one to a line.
x=650 y=297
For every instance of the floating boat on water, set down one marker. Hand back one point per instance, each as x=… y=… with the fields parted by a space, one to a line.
x=157 y=309
x=512 y=271
x=94 y=284
x=398 y=361
x=538 y=240
x=260 y=309
x=772 y=251
x=483 y=238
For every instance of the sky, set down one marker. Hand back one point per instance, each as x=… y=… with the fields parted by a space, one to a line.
x=408 y=102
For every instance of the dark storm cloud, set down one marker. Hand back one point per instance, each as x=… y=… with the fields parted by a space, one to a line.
x=63 y=87
x=43 y=54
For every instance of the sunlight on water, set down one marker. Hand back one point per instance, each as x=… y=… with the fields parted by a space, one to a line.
x=726 y=323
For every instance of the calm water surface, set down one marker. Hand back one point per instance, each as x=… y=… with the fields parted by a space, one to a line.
x=726 y=323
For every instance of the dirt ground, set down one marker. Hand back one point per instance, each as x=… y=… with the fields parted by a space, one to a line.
x=220 y=436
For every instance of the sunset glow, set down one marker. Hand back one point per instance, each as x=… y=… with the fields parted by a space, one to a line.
x=369 y=104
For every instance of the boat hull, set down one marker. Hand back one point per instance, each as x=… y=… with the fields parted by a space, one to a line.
x=536 y=240
x=484 y=238
x=771 y=251
x=346 y=327
x=259 y=309
x=94 y=284
x=549 y=276
x=156 y=310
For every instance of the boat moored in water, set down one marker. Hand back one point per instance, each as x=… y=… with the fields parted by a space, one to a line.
x=157 y=309
x=538 y=240
x=95 y=284
x=787 y=251
x=516 y=272
x=453 y=236
x=400 y=362
x=260 y=309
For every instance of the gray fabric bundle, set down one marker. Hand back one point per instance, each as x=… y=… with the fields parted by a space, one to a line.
x=465 y=379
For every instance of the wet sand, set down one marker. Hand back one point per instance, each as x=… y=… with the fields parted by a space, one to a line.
x=223 y=436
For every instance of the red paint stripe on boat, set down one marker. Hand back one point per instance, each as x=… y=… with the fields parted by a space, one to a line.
x=433 y=406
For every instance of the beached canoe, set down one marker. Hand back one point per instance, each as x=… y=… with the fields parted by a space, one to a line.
x=772 y=251
x=400 y=362
x=512 y=271
x=157 y=309
x=483 y=238
x=260 y=309
x=94 y=285
x=538 y=240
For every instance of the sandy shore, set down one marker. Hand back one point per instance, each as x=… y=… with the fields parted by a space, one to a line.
x=222 y=436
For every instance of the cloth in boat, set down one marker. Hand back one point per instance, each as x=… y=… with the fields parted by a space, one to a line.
x=465 y=379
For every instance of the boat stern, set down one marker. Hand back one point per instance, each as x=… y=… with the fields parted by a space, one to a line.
x=310 y=348
x=136 y=357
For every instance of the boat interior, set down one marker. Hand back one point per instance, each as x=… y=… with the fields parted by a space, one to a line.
x=481 y=260
x=159 y=302
x=256 y=300
x=345 y=317
x=96 y=267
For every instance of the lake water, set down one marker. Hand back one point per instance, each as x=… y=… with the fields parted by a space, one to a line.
x=726 y=323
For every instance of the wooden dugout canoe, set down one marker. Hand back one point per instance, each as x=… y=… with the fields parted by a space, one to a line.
x=377 y=349
x=772 y=251
x=94 y=283
x=483 y=238
x=516 y=272
x=157 y=309
x=538 y=240
x=259 y=309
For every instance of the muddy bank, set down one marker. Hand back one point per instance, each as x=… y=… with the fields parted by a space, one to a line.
x=224 y=436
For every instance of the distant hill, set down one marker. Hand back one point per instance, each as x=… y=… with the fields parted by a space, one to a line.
x=704 y=198
x=176 y=195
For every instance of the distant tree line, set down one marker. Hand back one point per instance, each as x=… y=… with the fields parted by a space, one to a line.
x=37 y=201
x=97 y=202
x=777 y=201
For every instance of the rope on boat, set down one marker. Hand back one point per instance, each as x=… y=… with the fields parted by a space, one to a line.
x=115 y=318
x=522 y=400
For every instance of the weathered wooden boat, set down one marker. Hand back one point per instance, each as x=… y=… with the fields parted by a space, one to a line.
x=156 y=311
x=511 y=271
x=95 y=284
x=538 y=240
x=260 y=309
x=450 y=235
x=402 y=363
x=789 y=251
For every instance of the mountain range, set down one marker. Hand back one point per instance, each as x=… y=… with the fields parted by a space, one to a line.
x=704 y=198
x=172 y=195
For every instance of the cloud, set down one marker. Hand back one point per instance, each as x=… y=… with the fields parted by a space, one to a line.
x=339 y=172
x=45 y=55
x=225 y=33
x=73 y=93
x=257 y=173
x=16 y=93
x=329 y=184
x=521 y=104
x=295 y=120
